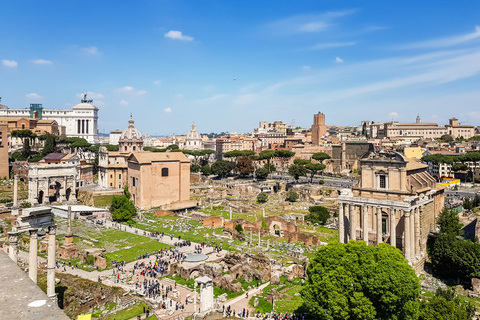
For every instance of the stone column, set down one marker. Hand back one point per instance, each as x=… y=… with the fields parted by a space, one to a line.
x=51 y=263
x=341 y=220
x=195 y=297
x=379 y=225
x=417 y=231
x=230 y=213
x=32 y=256
x=12 y=251
x=15 y=196
x=251 y=236
x=353 y=231
x=259 y=240
x=412 y=233
x=365 y=223
x=406 y=235
x=264 y=212
x=393 y=226
x=268 y=244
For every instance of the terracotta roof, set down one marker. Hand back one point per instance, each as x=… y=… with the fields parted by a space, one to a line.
x=413 y=164
x=54 y=156
x=149 y=157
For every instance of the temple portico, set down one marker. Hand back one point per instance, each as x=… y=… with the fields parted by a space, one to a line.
x=396 y=202
x=385 y=221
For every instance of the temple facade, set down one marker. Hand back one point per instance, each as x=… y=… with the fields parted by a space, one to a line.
x=396 y=202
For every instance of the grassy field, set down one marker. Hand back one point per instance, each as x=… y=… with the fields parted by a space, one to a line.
x=128 y=313
x=102 y=201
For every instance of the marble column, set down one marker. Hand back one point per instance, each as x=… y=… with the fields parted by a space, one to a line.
x=268 y=244
x=417 y=231
x=230 y=213
x=393 y=227
x=341 y=220
x=365 y=223
x=406 y=233
x=412 y=233
x=353 y=229
x=259 y=240
x=12 y=251
x=51 y=263
x=32 y=256
x=379 y=225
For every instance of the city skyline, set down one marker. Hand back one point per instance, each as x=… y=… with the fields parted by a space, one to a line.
x=227 y=66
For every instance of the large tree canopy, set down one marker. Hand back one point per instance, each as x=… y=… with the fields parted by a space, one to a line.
x=356 y=281
x=221 y=167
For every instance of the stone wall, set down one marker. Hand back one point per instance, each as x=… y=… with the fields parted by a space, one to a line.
x=215 y=222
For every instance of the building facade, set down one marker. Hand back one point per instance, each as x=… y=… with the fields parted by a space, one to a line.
x=193 y=140
x=131 y=139
x=81 y=121
x=158 y=178
x=318 y=128
x=397 y=202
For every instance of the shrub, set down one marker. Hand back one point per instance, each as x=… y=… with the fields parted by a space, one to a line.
x=321 y=182
x=291 y=196
x=262 y=197
x=25 y=205
x=261 y=173
x=239 y=228
x=318 y=214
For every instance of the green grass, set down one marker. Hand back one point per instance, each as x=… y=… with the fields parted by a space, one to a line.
x=152 y=318
x=132 y=253
x=102 y=201
x=128 y=313
x=217 y=291
x=189 y=283
x=263 y=305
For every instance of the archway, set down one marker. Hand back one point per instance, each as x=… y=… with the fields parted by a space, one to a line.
x=67 y=193
x=54 y=192
x=276 y=230
x=40 y=197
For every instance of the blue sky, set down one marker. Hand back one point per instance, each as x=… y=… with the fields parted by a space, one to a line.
x=226 y=65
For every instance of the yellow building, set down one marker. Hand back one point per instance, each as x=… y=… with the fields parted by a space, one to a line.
x=413 y=152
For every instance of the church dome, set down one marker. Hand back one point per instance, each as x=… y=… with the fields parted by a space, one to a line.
x=131 y=133
x=193 y=134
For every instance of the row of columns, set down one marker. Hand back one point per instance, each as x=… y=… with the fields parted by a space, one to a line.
x=411 y=247
x=32 y=256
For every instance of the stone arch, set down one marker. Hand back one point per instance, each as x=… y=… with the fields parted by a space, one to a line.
x=276 y=228
x=40 y=197
x=67 y=193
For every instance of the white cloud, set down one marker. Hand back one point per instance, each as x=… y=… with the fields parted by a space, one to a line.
x=42 y=61
x=131 y=91
x=33 y=96
x=90 y=51
x=339 y=60
x=307 y=23
x=167 y=110
x=306 y=68
x=445 y=42
x=393 y=114
x=124 y=102
x=322 y=46
x=90 y=95
x=10 y=63
x=177 y=35
x=245 y=99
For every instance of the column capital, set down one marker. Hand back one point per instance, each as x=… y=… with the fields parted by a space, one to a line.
x=33 y=233
x=406 y=213
x=52 y=229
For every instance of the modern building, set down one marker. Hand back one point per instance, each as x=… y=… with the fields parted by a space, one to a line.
x=81 y=121
x=397 y=202
x=114 y=137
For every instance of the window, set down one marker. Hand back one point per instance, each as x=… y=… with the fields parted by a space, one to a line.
x=125 y=148
x=119 y=176
x=111 y=176
x=133 y=148
x=133 y=181
x=384 y=225
x=383 y=183
x=164 y=172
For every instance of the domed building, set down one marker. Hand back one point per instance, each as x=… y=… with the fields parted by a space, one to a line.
x=131 y=139
x=193 y=140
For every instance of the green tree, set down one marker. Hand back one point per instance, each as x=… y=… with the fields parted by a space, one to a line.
x=313 y=168
x=244 y=165
x=262 y=197
x=261 y=173
x=320 y=156
x=206 y=170
x=297 y=171
x=222 y=168
x=195 y=168
x=318 y=214
x=264 y=224
x=50 y=143
x=291 y=196
x=270 y=167
x=449 y=223
x=467 y=204
x=446 y=138
x=26 y=151
x=284 y=155
x=356 y=281
x=122 y=208
x=267 y=155
x=446 y=305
